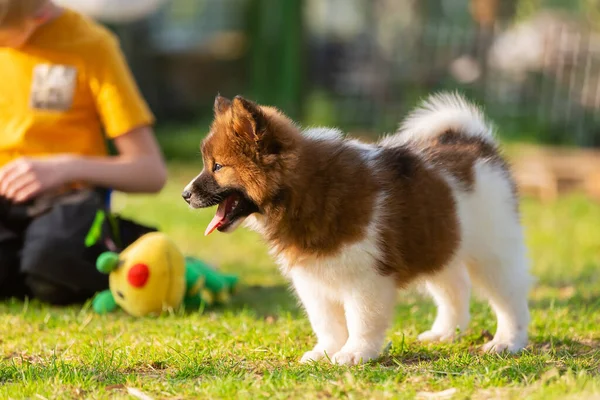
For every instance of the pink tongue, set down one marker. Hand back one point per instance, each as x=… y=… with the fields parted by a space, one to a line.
x=217 y=220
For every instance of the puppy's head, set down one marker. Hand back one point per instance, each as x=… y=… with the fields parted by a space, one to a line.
x=245 y=156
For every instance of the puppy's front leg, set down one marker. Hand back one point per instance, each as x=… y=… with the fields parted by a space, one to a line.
x=369 y=308
x=326 y=315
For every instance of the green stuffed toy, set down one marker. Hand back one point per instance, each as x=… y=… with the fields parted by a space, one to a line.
x=152 y=276
x=206 y=285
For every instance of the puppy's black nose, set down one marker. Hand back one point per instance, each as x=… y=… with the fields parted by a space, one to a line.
x=187 y=195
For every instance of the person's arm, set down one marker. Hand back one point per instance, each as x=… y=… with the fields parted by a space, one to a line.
x=139 y=167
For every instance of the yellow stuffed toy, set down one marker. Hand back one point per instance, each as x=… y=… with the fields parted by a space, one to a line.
x=148 y=277
x=152 y=276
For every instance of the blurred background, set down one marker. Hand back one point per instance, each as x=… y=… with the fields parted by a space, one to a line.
x=362 y=64
x=534 y=65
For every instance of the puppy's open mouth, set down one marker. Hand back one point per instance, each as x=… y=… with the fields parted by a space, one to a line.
x=233 y=209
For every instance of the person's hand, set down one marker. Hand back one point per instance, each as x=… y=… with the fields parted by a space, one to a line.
x=25 y=178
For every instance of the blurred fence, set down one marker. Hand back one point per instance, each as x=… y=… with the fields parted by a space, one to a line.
x=362 y=64
x=540 y=79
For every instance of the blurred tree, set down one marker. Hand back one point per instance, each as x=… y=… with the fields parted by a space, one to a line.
x=487 y=12
x=526 y=8
x=276 y=48
x=592 y=10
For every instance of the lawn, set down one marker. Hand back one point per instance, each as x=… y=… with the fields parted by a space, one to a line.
x=250 y=348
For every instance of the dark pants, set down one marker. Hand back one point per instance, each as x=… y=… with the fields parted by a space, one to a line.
x=43 y=251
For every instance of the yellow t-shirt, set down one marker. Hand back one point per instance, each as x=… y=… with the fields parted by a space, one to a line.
x=66 y=89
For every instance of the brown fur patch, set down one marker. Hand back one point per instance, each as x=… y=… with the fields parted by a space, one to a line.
x=421 y=231
x=457 y=153
x=325 y=203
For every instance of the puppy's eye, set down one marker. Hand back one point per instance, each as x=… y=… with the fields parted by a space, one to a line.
x=217 y=167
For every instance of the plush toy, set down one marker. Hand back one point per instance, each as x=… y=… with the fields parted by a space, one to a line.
x=152 y=276
x=206 y=285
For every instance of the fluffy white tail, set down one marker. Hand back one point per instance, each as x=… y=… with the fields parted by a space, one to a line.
x=439 y=113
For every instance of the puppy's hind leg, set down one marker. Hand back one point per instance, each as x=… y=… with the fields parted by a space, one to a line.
x=494 y=242
x=504 y=280
x=451 y=291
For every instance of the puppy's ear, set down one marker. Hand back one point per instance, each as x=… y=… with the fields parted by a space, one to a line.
x=249 y=122
x=222 y=104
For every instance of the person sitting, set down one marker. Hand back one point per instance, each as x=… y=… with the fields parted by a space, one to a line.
x=66 y=91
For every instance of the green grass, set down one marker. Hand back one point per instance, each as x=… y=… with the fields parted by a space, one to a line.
x=250 y=348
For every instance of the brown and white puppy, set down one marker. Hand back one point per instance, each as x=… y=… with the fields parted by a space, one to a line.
x=350 y=222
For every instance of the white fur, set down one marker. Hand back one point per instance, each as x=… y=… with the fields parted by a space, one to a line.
x=321 y=133
x=439 y=113
x=254 y=222
x=366 y=147
x=350 y=306
x=451 y=291
x=368 y=151
x=190 y=185
x=494 y=253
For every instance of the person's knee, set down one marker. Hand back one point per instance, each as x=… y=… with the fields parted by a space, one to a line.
x=50 y=292
x=45 y=291
x=57 y=272
x=8 y=265
x=41 y=265
x=11 y=280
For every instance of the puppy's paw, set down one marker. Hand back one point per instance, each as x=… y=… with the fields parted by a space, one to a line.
x=353 y=357
x=312 y=356
x=500 y=346
x=432 y=336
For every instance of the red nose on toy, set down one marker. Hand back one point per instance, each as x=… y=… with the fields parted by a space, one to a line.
x=138 y=275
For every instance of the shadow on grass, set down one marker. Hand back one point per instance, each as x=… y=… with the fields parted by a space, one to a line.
x=561 y=346
x=578 y=300
x=266 y=301
x=410 y=357
x=263 y=301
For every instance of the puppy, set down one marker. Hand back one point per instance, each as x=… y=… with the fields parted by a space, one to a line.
x=349 y=222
